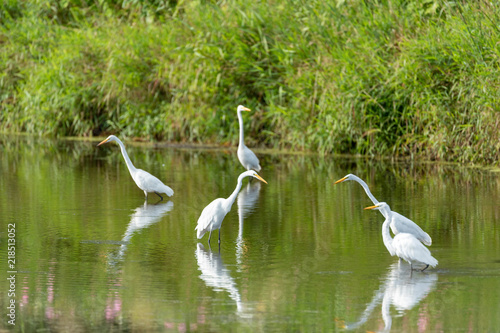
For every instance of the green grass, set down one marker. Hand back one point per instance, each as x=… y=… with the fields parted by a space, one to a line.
x=394 y=78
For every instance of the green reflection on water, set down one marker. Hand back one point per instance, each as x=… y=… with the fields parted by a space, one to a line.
x=298 y=254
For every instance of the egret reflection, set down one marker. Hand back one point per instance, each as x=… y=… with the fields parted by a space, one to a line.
x=247 y=199
x=215 y=274
x=143 y=217
x=401 y=290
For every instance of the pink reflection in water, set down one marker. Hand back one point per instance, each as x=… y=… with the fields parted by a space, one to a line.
x=180 y=327
x=113 y=308
x=423 y=320
x=49 y=311
x=114 y=301
x=24 y=293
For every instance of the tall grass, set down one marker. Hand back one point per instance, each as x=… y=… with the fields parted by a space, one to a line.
x=398 y=78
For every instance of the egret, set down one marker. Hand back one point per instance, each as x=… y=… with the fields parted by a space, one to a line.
x=399 y=223
x=245 y=155
x=211 y=217
x=404 y=245
x=144 y=180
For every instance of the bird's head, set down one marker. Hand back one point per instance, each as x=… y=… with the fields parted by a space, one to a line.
x=242 y=108
x=252 y=173
x=108 y=139
x=379 y=206
x=348 y=177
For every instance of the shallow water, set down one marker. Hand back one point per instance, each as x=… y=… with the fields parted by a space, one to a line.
x=297 y=254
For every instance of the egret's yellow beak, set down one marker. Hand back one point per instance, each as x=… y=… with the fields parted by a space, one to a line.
x=260 y=178
x=245 y=109
x=340 y=180
x=103 y=142
x=371 y=207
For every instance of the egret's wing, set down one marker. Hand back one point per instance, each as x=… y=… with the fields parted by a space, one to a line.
x=209 y=216
x=146 y=181
x=410 y=249
x=401 y=224
x=149 y=183
x=248 y=158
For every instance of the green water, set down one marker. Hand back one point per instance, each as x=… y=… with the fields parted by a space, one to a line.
x=297 y=255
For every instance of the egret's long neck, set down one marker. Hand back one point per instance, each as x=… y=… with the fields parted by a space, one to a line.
x=131 y=167
x=386 y=235
x=386 y=313
x=230 y=200
x=242 y=135
x=367 y=190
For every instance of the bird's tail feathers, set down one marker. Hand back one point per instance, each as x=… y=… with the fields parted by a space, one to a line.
x=200 y=232
x=433 y=262
x=427 y=240
x=168 y=191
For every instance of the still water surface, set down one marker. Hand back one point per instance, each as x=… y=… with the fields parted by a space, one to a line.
x=299 y=254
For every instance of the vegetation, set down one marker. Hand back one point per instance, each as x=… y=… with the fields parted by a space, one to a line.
x=399 y=78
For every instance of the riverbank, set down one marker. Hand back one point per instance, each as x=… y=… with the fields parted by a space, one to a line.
x=406 y=78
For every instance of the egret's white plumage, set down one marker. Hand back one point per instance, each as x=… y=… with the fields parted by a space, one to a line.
x=144 y=180
x=212 y=216
x=245 y=155
x=405 y=246
x=399 y=223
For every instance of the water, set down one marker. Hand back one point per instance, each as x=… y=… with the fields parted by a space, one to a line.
x=298 y=254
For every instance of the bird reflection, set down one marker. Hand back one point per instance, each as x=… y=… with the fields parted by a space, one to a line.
x=143 y=216
x=215 y=274
x=401 y=290
x=247 y=199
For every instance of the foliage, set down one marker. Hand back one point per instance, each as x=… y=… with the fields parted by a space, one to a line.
x=399 y=78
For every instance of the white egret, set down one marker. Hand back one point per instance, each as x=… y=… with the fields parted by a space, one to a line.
x=245 y=155
x=211 y=217
x=144 y=180
x=405 y=246
x=399 y=223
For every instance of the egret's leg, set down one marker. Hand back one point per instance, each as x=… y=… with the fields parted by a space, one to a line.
x=425 y=268
x=158 y=194
x=209 y=236
x=219 y=236
x=146 y=194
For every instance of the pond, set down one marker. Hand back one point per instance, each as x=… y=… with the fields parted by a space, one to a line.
x=297 y=254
